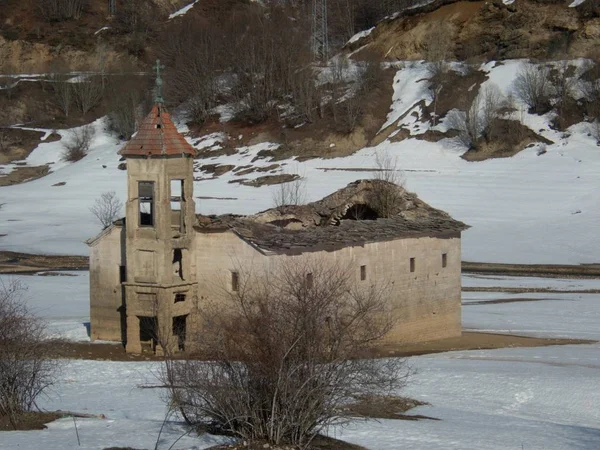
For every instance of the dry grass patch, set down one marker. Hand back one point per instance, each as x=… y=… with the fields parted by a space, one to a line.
x=30 y=421
x=375 y=407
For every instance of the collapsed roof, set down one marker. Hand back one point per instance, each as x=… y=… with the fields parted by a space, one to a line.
x=362 y=212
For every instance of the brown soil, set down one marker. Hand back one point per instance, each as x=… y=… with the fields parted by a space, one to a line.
x=488 y=30
x=523 y=290
x=23 y=174
x=13 y=262
x=471 y=340
x=378 y=407
x=318 y=443
x=512 y=137
x=468 y=341
x=30 y=421
x=533 y=270
x=20 y=143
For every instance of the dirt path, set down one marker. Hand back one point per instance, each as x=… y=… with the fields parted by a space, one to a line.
x=468 y=341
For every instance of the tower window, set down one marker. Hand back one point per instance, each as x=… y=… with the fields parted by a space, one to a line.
x=178 y=263
x=363 y=273
x=179 y=297
x=444 y=259
x=176 y=200
x=412 y=264
x=146 y=203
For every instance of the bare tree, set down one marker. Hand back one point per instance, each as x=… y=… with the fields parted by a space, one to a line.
x=57 y=10
x=125 y=95
x=63 y=91
x=87 y=93
x=107 y=208
x=283 y=348
x=438 y=47
x=78 y=143
x=532 y=86
x=26 y=367
x=290 y=193
x=478 y=120
x=387 y=192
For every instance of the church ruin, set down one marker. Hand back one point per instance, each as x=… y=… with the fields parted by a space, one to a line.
x=152 y=270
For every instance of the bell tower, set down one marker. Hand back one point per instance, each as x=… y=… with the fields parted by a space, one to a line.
x=160 y=215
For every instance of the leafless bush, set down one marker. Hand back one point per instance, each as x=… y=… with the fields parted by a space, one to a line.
x=57 y=10
x=26 y=370
x=283 y=348
x=290 y=193
x=387 y=195
x=478 y=120
x=5 y=141
x=125 y=95
x=78 y=143
x=532 y=86
x=63 y=92
x=438 y=47
x=87 y=93
x=107 y=208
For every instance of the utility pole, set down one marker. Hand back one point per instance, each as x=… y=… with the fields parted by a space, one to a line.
x=320 y=39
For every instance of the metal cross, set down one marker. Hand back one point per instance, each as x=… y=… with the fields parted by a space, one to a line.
x=158 y=98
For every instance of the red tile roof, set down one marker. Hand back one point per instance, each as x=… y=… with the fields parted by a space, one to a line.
x=157 y=136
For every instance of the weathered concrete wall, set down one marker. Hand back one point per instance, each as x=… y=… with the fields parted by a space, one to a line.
x=425 y=302
x=106 y=298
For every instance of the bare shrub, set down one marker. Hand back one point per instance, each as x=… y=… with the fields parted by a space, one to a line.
x=57 y=10
x=532 y=86
x=26 y=370
x=283 y=350
x=107 y=208
x=125 y=95
x=78 y=143
x=438 y=47
x=87 y=93
x=387 y=195
x=292 y=193
x=478 y=120
x=63 y=91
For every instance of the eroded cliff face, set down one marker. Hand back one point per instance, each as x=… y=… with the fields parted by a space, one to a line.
x=489 y=30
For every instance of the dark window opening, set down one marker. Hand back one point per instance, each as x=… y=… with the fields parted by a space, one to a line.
x=412 y=264
x=235 y=281
x=360 y=211
x=146 y=203
x=122 y=274
x=158 y=126
x=363 y=273
x=444 y=259
x=177 y=197
x=178 y=263
x=149 y=331
x=179 y=331
x=309 y=281
x=179 y=297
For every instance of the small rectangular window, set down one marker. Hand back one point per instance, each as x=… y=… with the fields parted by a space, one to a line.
x=179 y=297
x=412 y=264
x=146 y=203
x=235 y=282
x=363 y=273
x=122 y=274
x=444 y=259
x=309 y=280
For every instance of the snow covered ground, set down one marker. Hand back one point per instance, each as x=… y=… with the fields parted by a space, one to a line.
x=519 y=398
x=523 y=209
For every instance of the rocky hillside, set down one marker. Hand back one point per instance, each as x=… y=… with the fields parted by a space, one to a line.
x=489 y=30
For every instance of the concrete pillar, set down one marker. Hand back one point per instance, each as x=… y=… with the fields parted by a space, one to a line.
x=133 y=335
